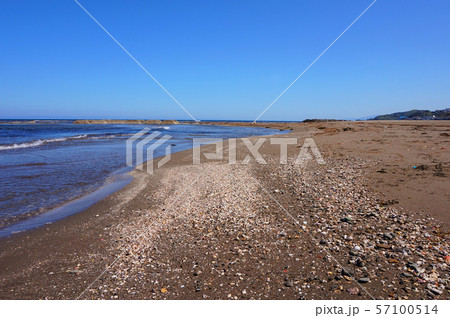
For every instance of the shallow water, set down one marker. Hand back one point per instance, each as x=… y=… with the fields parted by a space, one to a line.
x=44 y=166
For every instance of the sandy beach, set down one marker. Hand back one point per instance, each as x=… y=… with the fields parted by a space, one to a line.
x=372 y=223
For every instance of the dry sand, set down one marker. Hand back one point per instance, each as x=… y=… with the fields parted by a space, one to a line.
x=364 y=225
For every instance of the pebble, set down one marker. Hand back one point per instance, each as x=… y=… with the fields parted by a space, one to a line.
x=239 y=228
x=407 y=274
x=353 y=291
x=346 y=219
x=414 y=266
x=363 y=280
x=348 y=272
x=388 y=236
x=289 y=284
x=435 y=291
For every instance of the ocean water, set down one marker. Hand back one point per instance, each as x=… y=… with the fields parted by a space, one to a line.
x=54 y=168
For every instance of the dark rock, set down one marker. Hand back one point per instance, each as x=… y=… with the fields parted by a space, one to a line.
x=289 y=284
x=348 y=272
x=414 y=266
x=353 y=253
x=346 y=219
x=363 y=280
x=435 y=291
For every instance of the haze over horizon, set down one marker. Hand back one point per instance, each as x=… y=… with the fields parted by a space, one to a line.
x=223 y=60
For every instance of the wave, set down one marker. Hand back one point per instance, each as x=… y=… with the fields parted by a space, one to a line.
x=40 y=142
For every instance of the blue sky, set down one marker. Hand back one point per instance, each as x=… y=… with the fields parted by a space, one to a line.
x=223 y=59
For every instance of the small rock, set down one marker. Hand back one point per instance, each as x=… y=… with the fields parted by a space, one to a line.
x=353 y=253
x=388 y=236
x=435 y=291
x=363 y=280
x=359 y=262
x=353 y=291
x=407 y=274
x=348 y=272
x=414 y=266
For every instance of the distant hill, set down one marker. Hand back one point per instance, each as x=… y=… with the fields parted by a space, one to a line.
x=417 y=114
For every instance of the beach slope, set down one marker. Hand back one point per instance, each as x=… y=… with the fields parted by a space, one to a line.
x=370 y=223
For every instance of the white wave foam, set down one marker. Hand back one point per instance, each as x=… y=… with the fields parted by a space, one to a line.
x=39 y=142
x=24 y=145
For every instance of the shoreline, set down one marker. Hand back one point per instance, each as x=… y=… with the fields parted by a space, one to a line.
x=69 y=208
x=61 y=259
x=112 y=182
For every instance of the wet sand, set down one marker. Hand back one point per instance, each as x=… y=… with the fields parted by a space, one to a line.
x=364 y=225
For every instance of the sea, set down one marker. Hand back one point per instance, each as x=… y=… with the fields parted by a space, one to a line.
x=50 y=169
